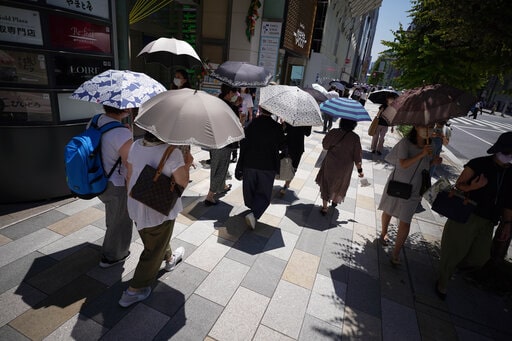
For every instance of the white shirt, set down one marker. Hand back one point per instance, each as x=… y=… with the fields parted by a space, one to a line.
x=111 y=142
x=247 y=102
x=140 y=156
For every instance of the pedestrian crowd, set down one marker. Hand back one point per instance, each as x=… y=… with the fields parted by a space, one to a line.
x=486 y=181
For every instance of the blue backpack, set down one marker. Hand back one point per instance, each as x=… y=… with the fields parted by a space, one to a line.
x=85 y=175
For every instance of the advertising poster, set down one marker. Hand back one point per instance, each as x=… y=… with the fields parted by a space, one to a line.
x=97 y=8
x=21 y=106
x=299 y=26
x=75 y=34
x=269 y=45
x=71 y=71
x=72 y=109
x=20 y=26
x=17 y=67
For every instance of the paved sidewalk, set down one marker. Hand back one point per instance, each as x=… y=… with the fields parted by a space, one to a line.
x=297 y=276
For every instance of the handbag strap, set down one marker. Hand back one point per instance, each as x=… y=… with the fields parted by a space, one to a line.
x=393 y=177
x=164 y=158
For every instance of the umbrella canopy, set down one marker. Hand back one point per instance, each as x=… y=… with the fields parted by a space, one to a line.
x=428 y=104
x=120 y=89
x=188 y=116
x=344 y=83
x=241 y=74
x=317 y=95
x=379 y=96
x=293 y=105
x=319 y=87
x=338 y=85
x=346 y=108
x=171 y=52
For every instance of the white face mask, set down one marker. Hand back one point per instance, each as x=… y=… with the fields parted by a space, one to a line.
x=234 y=98
x=177 y=82
x=504 y=158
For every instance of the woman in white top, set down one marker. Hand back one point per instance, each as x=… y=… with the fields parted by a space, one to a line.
x=155 y=229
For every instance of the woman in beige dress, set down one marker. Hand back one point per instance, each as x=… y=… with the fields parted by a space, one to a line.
x=343 y=151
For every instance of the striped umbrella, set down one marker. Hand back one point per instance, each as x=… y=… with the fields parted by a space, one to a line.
x=341 y=107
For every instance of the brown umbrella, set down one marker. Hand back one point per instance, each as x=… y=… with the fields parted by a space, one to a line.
x=428 y=104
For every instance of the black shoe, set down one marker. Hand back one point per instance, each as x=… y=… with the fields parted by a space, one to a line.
x=105 y=263
x=208 y=161
x=379 y=153
x=373 y=151
x=210 y=203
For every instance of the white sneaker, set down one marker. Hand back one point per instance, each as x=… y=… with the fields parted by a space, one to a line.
x=177 y=256
x=130 y=298
x=250 y=220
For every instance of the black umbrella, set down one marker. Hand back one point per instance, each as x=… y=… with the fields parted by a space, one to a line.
x=241 y=74
x=379 y=97
x=317 y=95
x=345 y=83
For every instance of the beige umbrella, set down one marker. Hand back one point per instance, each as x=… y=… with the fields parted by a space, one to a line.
x=188 y=116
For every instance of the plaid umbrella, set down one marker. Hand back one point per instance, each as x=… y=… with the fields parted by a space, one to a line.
x=120 y=89
x=346 y=108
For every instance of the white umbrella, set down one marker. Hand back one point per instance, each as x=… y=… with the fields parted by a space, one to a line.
x=171 y=52
x=188 y=116
x=320 y=88
x=293 y=105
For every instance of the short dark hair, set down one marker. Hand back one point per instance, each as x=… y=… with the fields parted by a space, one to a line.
x=347 y=125
x=224 y=89
x=112 y=110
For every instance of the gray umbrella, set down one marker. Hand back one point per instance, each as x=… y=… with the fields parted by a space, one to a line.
x=241 y=74
x=188 y=116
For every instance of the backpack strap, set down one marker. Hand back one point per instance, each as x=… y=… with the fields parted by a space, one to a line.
x=103 y=129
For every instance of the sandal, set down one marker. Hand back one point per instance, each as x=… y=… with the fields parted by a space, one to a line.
x=282 y=191
x=226 y=189
x=384 y=241
x=323 y=211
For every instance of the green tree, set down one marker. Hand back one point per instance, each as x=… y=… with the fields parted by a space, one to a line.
x=460 y=43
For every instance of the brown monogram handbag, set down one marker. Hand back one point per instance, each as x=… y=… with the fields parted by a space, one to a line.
x=157 y=190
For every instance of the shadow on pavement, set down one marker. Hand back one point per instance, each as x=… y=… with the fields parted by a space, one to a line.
x=58 y=291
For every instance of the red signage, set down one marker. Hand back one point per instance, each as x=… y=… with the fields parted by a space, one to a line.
x=74 y=34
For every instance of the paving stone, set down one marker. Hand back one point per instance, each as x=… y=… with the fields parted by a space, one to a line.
x=53 y=311
x=263 y=277
x=290 y=225
x=336 y=257
x=25 y=245
x=223 y=281
x=76 y=221
x=464 y=334
x=318 y=330
x=72 y=242
x=232 y=229
x=327 y=301
x=208 y=254
x=11 y=334
x=247 y=248
x=429 y=327
x=264 y=334
x=32 y=224
x=78 y=327
x=142 y=323
x=360 y=326
x=364 y=246
x=301 y=269
x=4 y=240
x=196 y=233
x=311 y=241
x=192 y=322
x=23 y=269
x=287 y=308
x=399 y=322
x=281 y=244
x=17 y=300
x=52 y=279
x=241 y=317
x=78 y=205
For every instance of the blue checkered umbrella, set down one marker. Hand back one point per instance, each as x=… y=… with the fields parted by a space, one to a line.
x=120 y=89
x=341 y=107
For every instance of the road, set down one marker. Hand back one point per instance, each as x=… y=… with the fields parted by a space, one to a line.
x=471 y=138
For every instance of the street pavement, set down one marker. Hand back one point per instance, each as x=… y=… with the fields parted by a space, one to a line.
x=297 y=276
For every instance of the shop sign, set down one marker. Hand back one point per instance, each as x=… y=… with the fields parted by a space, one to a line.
x=269 y=45
x=98 y=8
x=71 y=71
x=19 y=67
x=299 y=26
x=75 y=34
x=20 y=106
x=20 y=26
